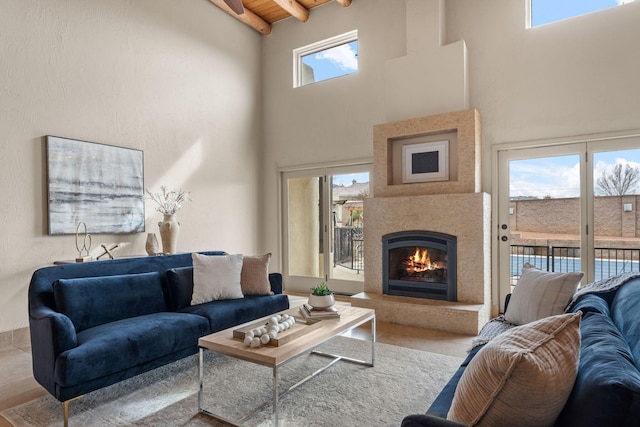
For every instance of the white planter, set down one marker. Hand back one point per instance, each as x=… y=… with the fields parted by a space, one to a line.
x=321 y=301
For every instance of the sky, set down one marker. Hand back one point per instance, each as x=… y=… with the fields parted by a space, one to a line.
x=347 y=179
x=338 y=61
x=559 y=177
x=545 y=11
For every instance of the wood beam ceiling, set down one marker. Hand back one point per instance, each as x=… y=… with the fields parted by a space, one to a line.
x=260 y=14
x=248 y=17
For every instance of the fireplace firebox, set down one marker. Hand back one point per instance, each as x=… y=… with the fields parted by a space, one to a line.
x=419 y=264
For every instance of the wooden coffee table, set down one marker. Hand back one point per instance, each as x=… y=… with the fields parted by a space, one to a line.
x=308 y=335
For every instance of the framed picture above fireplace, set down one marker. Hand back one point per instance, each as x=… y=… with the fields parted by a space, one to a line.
x=426 y=161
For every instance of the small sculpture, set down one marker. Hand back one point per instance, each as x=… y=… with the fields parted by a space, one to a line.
x=83 y=252
x=264 y=334
x=107 y=251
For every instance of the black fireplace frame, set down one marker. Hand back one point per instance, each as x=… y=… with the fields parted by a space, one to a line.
x=420 y=238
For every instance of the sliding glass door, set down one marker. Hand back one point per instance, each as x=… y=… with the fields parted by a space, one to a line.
x=323 y=223
x=569 y=208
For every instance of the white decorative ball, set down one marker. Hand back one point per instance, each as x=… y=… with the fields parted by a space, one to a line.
x=280 y=327
x=250 y=334
x=255 y=342
x=265 y=339
x=247 y=340
x=273 y=334
x=263 y=331
x=273 y=321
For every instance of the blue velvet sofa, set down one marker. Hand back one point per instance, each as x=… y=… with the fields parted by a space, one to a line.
x=607 y=387
x=94 y=324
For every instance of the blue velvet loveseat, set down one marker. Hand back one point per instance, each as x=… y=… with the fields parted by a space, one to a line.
x=606 y=391
x=94 y=324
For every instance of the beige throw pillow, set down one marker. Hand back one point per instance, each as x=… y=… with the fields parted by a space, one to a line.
x=255 y=275
x=523 y=377
x=216 y=277
x=540 y=294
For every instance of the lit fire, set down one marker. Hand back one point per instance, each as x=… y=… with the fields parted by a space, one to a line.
x=420 y=262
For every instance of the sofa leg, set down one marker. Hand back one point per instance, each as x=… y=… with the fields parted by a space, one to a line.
x=65 y=410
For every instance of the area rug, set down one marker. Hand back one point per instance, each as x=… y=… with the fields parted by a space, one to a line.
x=403 y=381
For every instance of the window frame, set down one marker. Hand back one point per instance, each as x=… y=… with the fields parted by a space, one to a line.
x=299 y=283
x=331 y=42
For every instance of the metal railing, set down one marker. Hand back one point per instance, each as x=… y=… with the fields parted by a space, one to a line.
x=348 y=248
x=564 y=259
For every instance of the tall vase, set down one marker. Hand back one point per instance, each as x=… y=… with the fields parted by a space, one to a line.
x=169 y=231
x=151 y=246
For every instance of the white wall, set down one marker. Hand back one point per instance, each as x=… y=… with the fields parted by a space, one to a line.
x=570 y=78
x=179 y=80
x=574 y=77
x=403 y=73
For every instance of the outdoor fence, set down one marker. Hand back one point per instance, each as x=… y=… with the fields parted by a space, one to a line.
x=348 y=248
x=564 y=259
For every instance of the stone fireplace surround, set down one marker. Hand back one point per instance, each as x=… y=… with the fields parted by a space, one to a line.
x=454 y=207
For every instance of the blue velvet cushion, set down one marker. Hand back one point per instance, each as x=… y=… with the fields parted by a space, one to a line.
x=607 y=387
x=625 y=312
x=223 y=314
x=93 y=301
x=180 y=287
x=591 y=303
x=113 y=347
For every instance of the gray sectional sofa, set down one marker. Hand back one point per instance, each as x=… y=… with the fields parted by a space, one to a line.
x=94 y=324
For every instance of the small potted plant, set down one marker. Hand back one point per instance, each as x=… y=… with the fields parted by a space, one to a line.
x=321 y=296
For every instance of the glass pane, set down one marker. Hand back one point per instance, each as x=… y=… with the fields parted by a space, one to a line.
x=347 y=209
x=304 y=227
x=616 y=185
x=330 y=63
x=544 y=214
x=546 y=11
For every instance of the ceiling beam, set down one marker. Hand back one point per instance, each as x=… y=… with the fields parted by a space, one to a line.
x=344 y=3
x=248 y=17
x=294 y=9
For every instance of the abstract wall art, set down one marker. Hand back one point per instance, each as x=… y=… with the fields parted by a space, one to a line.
x=100 y=185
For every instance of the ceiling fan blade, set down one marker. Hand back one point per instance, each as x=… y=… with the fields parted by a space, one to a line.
x=236 y=6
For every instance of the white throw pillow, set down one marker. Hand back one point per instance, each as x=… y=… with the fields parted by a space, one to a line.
x=540 y=294
x=216 y=277
x=523 y=377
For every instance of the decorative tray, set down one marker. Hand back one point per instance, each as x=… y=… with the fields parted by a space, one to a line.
x=300 y=328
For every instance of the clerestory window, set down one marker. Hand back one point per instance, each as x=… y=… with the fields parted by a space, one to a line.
x=547 y=11
x=326 y=59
